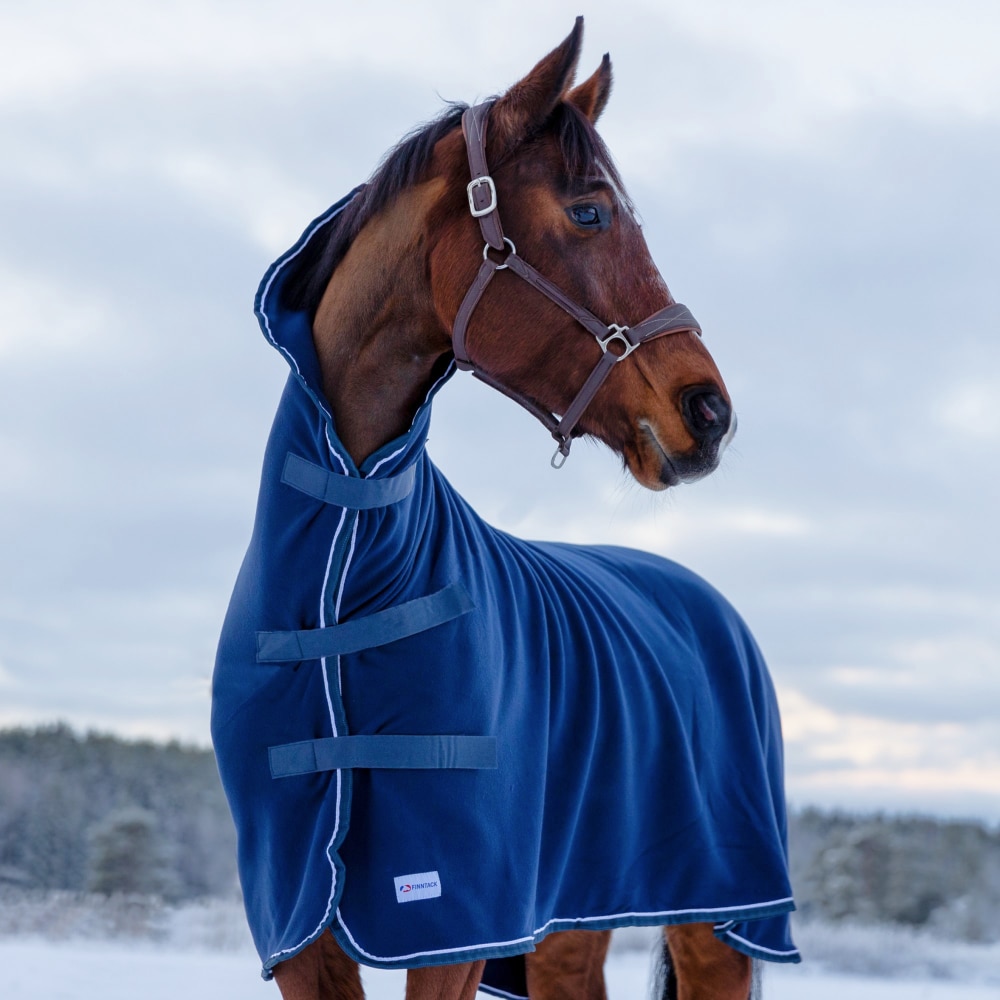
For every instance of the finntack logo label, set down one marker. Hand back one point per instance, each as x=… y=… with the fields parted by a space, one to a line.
x=423 y=885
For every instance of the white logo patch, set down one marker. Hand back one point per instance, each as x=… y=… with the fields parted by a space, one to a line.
x=423 y=885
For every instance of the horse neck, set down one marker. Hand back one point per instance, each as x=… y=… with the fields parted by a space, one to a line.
x=378 y=338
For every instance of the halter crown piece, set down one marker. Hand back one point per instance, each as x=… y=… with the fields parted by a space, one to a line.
x=482 y=194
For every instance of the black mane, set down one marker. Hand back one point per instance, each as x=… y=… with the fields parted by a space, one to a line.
x=401 y=168
x=583 y=153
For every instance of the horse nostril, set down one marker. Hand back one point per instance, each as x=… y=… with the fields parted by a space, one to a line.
x=706 y=414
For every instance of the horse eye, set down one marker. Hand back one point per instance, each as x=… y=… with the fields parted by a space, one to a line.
x=585 y=215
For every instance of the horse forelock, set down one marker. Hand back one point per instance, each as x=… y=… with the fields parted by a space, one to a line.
x=584 y=153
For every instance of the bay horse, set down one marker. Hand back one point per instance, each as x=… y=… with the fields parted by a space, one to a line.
x=385 y=649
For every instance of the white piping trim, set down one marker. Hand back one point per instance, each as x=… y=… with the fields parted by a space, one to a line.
x=322 y=622
x=444 y=377
x=663 y=913
x=333 y=725
x=343 y=576
x=340 y=596
x=333 y=451
x=388 y=458
x=303 y=243
x=426 y=954
x=558 y=920
x=760 y=947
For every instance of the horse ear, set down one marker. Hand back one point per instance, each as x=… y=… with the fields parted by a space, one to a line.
x=592 y=95
x=528 y=104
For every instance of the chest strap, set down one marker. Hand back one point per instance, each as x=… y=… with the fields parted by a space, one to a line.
x=376 y=629
x=346 y=491
x=384 y=752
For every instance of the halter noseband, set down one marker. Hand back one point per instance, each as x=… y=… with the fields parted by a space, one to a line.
x=482 y=194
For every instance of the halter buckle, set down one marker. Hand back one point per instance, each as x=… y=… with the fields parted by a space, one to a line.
x=616 y=332
x=473 y=186
x=558 y=460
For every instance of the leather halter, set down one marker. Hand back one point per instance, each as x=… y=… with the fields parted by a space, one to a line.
x=483 y=206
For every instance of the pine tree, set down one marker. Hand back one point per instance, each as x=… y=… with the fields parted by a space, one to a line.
x=126 y=855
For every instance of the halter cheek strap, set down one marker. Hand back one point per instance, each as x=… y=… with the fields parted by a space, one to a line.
x=616 y=342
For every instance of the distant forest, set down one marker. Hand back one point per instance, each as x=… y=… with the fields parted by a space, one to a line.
x=96 y=813
x=74 y=808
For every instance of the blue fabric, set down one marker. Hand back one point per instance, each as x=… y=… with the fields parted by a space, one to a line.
x=639 y=761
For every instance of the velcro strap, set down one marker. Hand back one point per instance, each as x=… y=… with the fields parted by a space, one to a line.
x=346 y=491
x=377 y=629
x=392 y=752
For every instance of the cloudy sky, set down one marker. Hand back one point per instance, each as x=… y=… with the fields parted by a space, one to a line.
x=818 y=183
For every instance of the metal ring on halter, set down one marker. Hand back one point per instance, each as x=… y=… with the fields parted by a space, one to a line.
x=556 y=462
x=487 y=248
x=616 y=332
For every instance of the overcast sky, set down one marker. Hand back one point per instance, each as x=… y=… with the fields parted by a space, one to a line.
x=817 y=182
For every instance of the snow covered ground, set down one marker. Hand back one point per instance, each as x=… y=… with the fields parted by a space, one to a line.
x=44 y=970
x=203 y=953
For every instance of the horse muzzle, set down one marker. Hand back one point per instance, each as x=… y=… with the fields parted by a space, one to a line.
x=711 y=423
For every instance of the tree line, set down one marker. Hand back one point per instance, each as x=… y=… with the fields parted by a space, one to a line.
x=96 y=813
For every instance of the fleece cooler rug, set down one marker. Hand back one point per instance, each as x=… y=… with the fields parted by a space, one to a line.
x=444 y=743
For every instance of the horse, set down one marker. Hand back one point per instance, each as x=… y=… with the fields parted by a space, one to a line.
x=433 y=735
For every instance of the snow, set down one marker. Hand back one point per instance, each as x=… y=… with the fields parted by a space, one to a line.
x=63 y=946
x=35 y=969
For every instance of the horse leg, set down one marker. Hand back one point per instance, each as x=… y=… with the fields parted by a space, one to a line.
x=445 y=982
x=568 y=965
x=705 y=968
x=321 y=971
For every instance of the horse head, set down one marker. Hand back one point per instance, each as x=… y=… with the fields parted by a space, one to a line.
x=665 y=408
x=390 y=292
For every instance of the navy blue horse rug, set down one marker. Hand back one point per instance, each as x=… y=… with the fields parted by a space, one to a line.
x=444 y=743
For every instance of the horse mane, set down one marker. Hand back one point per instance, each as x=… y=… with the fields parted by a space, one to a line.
x=583 y=152
x=400 y=168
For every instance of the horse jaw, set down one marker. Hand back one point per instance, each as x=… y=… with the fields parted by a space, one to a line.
x=657 y=467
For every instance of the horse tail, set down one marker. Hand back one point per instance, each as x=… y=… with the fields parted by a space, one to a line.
x=664 y=978
x=664 y=986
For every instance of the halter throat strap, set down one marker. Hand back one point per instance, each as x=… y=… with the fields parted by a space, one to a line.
x=616 y=342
